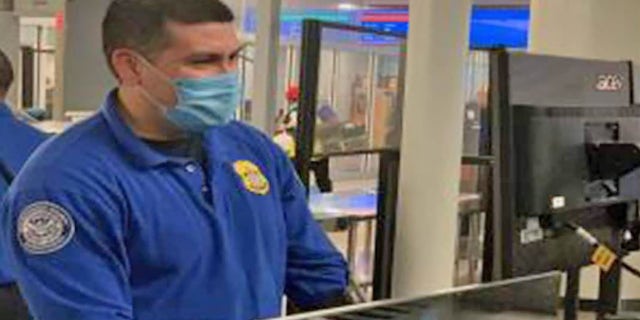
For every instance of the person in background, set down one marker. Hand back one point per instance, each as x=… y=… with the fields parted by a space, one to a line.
x=287 y=121
x=161 y=206
x=286 y=125
x=17 y=141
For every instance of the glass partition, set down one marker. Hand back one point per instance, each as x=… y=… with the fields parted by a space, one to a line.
x=357 y=91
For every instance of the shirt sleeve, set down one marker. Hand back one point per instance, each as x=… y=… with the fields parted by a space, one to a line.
x=67 y=252
x=316 y=271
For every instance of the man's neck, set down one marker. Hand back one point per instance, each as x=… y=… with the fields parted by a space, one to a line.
x=144 y=120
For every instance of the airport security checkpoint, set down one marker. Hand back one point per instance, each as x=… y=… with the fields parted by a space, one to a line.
x=319 y=159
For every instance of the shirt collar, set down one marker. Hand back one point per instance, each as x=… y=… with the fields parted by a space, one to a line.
x=141 y=153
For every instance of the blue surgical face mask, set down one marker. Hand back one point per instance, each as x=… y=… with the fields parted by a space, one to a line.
x=202 y=103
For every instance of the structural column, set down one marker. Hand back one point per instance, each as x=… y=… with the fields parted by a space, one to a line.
x=86 y=77
x=265 y=83
x=594 y=29
x=431 y=146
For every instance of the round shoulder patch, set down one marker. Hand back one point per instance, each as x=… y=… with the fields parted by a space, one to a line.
x=44 y=227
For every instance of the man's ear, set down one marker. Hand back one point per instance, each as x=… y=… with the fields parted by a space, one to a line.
x=127 y=67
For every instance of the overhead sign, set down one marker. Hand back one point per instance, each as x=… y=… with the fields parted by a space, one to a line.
x=500 y=27
x=490 y=27
x=291 y=20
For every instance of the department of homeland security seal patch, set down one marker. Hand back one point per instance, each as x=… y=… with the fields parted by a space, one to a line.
x=44 y=227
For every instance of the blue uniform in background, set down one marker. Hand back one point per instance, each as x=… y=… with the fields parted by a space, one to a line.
x=17 y=141
x=99 y=225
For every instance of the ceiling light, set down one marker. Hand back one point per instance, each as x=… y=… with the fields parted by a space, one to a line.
x=347 y=6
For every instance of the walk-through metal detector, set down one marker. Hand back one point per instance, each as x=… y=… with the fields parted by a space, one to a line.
x=312 y=40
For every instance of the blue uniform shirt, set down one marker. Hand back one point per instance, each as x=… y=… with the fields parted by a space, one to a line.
x=17 y=141
x=100 y=226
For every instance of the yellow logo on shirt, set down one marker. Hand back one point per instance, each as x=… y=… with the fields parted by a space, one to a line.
x=253 y=179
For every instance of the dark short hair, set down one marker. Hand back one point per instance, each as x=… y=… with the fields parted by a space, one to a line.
x=6 y=73
x=140 y=24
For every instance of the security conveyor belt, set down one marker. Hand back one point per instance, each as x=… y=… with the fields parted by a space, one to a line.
x=530 y=298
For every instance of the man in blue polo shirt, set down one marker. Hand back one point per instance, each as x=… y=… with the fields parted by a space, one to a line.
x=159 y=206
x=17 y=142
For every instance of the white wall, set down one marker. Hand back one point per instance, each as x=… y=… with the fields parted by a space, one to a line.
x=10 y=44
x=586 y=28
x=86 y=75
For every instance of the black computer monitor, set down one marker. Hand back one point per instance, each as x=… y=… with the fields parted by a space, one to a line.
x=566 y=158
x=563 y=165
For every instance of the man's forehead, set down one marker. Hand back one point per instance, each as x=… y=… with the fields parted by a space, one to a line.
x=204 y=37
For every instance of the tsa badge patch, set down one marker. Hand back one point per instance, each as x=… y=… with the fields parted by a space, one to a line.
x=252 y=177
x=44 y=228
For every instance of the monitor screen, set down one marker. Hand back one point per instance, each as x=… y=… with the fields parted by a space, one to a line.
x=553 y=170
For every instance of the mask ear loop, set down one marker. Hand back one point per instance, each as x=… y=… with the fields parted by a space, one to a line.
x=155 y=101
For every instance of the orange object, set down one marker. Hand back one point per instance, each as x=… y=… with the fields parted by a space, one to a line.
x=604 y=258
